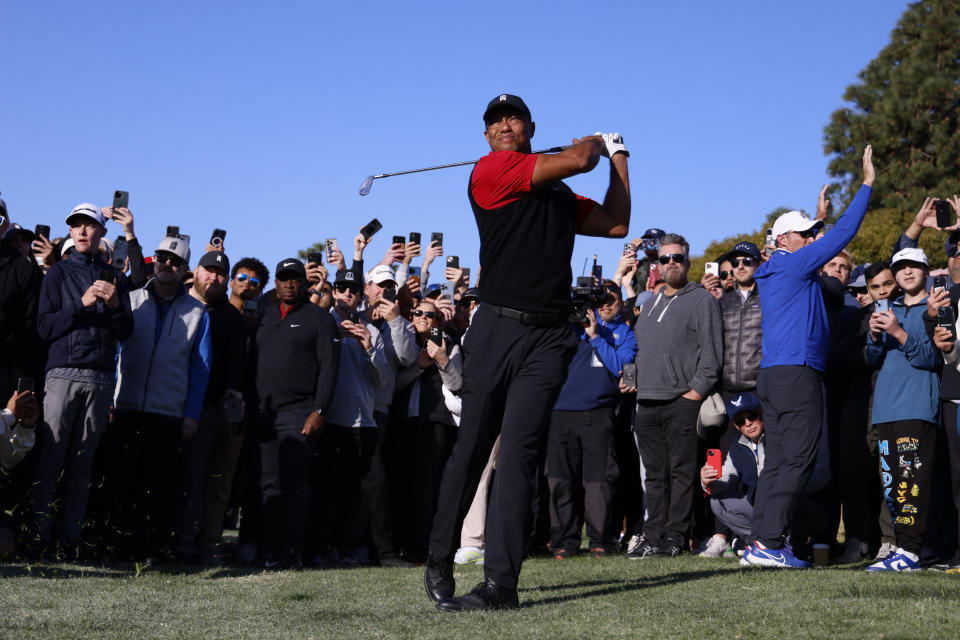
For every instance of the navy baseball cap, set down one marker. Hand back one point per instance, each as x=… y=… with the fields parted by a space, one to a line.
x=290 y=264
x=507 y=100
x=745 y=401
x=349 y=276
x=742 y=249
x=656 y=234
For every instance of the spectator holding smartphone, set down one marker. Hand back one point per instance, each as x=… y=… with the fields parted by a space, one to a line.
x=84 y=312
x=906 y=408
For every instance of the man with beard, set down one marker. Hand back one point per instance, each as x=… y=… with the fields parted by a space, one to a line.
x=680 y=345
x=210 y=457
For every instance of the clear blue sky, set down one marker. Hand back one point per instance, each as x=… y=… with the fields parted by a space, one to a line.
x=264 y=118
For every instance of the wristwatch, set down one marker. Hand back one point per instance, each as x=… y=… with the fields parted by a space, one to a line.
x=321 y=412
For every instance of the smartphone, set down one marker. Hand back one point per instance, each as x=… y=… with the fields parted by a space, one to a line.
x=414 y=271
x=939 y=283
x=217 y=238
x=628 y=248
x=371 y=228
x=715 y=460
x=331 y=247
x=399 y=240
x=389 y=294
x=881 y=305
x=349 y=314
x=948 y=319
x=447 y=290
x=24 y=384
x=630 y=374
x=436 y=237
x=771 y=242
x=943 y=213
x=598 y=272
x=436 y=337
x=43 y=230
x=106 y=275
x=173 y=231
x=712 y=268
x=315 y=257
x=453 y=262
x=120 y=252
x=250 y=305
x=121 y=200
x=466 y=274
x=415 y=237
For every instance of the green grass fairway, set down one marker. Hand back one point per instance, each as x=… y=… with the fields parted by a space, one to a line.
x=688 y=597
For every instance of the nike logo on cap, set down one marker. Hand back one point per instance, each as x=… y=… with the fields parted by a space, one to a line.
x=287 y=264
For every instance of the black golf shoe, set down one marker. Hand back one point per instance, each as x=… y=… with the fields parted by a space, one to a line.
x=485 y=596
x=438 y=578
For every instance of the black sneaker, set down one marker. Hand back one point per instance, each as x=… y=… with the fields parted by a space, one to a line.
x=438 y=578
x=485 y=596
x=645 y=549
x=669 y=550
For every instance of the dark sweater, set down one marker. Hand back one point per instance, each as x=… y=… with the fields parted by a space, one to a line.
x=20 y=346
x=229 y=341
x=297 y=358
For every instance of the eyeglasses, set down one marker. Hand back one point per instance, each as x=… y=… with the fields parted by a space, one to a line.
x=428 y=314
x=745 y=261
x=254 y=282
x=745 y=416
x=678 y=258
x=175 y=261
x=343 y=288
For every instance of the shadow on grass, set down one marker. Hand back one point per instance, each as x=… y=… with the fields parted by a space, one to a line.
x=609 y=587
x=116 y=570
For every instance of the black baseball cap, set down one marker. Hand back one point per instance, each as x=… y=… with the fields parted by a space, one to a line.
x=470 y=294
x=508 y=100
x=656 y=234
x=290 y=264
x=741 y=249
x=215 y=260
x=349 y=276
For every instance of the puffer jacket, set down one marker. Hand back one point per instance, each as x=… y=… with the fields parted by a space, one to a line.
x=742 y=340
x=82 y=338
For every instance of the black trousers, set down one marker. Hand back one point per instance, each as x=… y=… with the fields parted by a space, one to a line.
x=948 y=410
x=793 y=414
x=435 y=441
x=285 y=456
x=142 y=481
x=352 y=494
x=627 y=508
x=907 y=451
x=581 y=473
x=511 y=378
x=667 y=439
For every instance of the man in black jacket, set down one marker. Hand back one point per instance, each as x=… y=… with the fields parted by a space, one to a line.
x=84 y=311
x=298 y=347
x=211 y=455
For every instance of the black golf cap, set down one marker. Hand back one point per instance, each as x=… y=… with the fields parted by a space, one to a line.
x=215 y=260
x=290 y=265
x=742 y=249
x=507 y=100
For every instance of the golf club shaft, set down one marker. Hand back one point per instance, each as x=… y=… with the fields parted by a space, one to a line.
x=458 y=164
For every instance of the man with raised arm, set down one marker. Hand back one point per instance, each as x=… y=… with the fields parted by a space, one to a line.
x=790 y=382
x=520 y=336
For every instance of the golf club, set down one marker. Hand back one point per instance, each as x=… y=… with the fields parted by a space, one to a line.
x=368 y=182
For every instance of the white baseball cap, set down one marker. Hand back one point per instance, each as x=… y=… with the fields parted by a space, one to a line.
x=88 y=210
x=380 y=274
x=794 y=221
x=177 y=246
x=912 y=254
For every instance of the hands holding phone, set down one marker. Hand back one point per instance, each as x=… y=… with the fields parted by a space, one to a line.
x=122 y=216
x=101 y=290
x=23 y=404
x=358 y=331
x=885 y=321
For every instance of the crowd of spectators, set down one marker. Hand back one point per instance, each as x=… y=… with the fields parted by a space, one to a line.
x=151 y=403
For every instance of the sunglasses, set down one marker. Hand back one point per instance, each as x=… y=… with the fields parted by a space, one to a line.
x=343 y=288
x=725 y=274
x=744 y=417
x=254 y=282
x=678 y=258
x=175 y=261
x=809 y=233
x=429 y=314
x=745 y=261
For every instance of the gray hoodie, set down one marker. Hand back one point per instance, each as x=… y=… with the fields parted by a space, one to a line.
x=679 y=344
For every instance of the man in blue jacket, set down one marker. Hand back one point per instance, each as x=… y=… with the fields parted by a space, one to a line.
x=580 y=441
x=84 y=311
x=790 y=387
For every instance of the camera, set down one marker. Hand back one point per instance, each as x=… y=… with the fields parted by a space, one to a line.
x=583 y=297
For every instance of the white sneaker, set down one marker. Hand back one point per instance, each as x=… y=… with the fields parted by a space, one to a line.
x=885 y=549
x=715 y=547
x=853 y=551
x=468 y=555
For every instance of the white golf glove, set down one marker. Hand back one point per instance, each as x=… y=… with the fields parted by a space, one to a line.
x=612 y=144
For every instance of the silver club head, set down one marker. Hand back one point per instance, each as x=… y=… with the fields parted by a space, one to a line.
x=365 y=186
